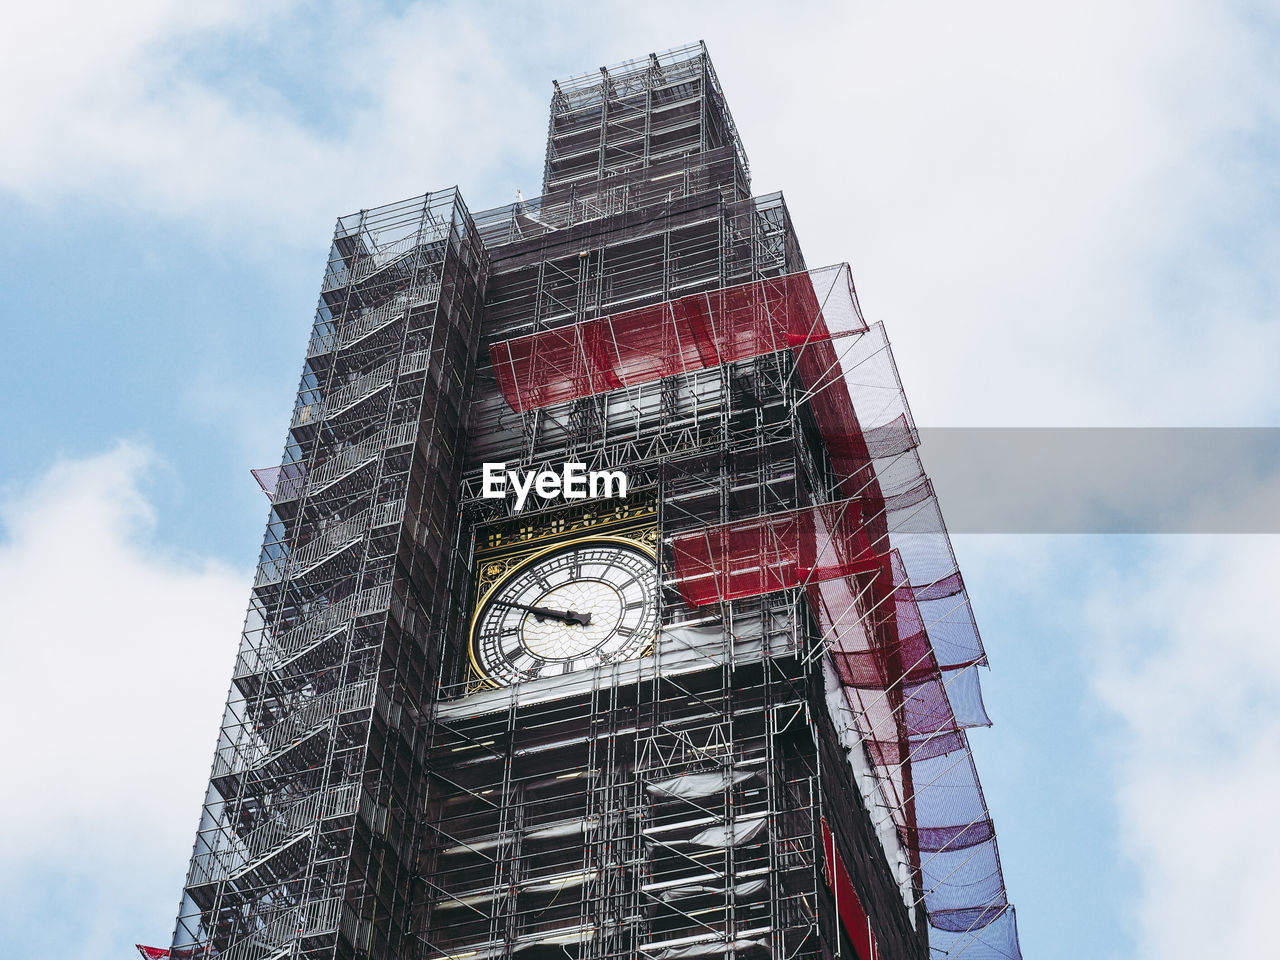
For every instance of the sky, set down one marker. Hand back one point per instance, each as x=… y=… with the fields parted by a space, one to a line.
x=1064 y=215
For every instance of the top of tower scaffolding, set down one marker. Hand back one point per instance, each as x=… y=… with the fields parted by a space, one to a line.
x=634 y=114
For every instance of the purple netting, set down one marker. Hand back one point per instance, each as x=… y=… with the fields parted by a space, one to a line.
x=952 y=630
x=890 y=439
x=947 y=790
x=976 y=934
x=961 y=879
x=935 y=839
x=897 y=624
x=926 y=709
x=968 y=918
x=965 y=693
x=891 y=753
x=948 y=586
x=283 y=482
x=267 y=478
x=922 y=657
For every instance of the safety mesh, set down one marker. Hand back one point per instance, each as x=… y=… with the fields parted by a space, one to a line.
x=876 y=562
x=975 y=932
x=910 y=668
x=678 y=336
x=748 y=558
x=268 y=478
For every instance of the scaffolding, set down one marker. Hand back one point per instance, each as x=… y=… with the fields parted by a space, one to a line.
x=783 y=772
x=317 y=743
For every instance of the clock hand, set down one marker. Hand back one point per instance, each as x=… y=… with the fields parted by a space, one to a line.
x=568 y=616
x=541 y=613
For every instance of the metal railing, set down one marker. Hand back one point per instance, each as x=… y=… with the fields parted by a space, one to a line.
x=345 y=462
x=287 y=733
x=374 y=261
x=350 y=394
x=282 y=929
x=312 y=631
x=324 y=547
x=357 y=328
x=286 y=827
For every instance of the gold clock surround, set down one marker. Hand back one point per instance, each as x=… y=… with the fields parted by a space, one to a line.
x=504 y=550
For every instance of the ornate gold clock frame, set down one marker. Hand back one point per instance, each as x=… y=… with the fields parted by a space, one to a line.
x=504 y=545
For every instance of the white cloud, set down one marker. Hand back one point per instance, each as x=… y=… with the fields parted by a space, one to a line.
x=172 y=109
x=1055 y=209
x=1043 y=203
x=117 y=654
x=1189 y=663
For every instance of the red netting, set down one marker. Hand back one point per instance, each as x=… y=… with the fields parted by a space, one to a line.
x=905 y=647
x=748 y=558
x=877 y=566
x=897 y=625
x=678 y=336
x=892 y=753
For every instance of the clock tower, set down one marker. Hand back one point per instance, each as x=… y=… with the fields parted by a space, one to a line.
x=722 y=715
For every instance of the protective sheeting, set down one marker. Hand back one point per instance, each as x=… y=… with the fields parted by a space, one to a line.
x=267 y=478
x=867 y=777
x=746 y=889
x=710 y=948
x=724 y=834
x=905 y=646
x=570 y=935
x=699 y=784
x=283 y=482
x=882 y=580
x=978 y=932
x=748 y=558
x=571 y=828
x=679 y=336
x=876 y=562
x=727 y=834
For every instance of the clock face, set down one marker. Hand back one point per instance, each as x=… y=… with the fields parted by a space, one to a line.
x=571 y=607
